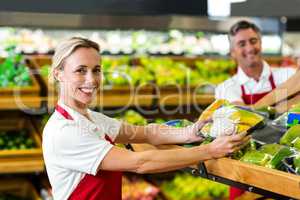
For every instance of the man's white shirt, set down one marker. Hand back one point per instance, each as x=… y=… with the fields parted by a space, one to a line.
x=231 y=88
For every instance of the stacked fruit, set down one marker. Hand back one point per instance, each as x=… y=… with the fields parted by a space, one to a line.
x=188 y=187
x=215 y=71
x=15 y=140
x=120 y=72
x=166 y=71
x=13 y=71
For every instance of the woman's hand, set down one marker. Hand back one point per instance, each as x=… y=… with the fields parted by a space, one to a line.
x=225 y=145
x=194 y=130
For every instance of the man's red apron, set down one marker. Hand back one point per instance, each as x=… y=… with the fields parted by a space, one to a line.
x=106 y=185
x=249 y=99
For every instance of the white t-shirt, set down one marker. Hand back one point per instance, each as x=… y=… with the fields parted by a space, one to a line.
x=231 y=88
x=73 y=148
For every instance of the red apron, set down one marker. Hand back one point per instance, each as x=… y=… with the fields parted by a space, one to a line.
x=106 y=185
x=249 y=99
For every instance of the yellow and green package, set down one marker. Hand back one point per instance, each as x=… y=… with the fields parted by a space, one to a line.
x=290 y=138
x=227 y=119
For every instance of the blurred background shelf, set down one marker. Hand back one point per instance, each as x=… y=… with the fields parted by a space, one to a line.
x=20 y=102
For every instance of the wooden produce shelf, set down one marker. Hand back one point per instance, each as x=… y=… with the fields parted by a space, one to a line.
x=20 y=102
x=21 y=97
x=173 y=96
x=19 y=187
x=21 y=160
x=272 y=180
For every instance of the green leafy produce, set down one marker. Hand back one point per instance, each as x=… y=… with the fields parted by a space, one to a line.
x=159 y=121
x=251 y=146
x=188 y=187
x=133 y=117
x=277 y=159
x=166 y=71
x=290 y=137
x=215 y=71
x=120 y=72
x=44 y=71
x=256 y=157
x=296 y=163
x=269 y=155
x=15 y=140
x=13 y=71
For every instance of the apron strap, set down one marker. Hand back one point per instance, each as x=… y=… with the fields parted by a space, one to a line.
x=63 y=112
x=272 y=82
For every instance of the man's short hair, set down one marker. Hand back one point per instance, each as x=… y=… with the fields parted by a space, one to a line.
x=242 y=25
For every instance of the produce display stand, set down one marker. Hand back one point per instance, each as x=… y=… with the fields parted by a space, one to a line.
x=23 y=97
x=21 y=160
x=261 y=180
x=173 y=96
x=19 y=187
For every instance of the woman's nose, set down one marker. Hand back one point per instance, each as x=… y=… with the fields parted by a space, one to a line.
x=91 y=78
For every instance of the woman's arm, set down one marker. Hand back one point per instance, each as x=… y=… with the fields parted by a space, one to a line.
x=153 y=161
x=159 y=134
x=282 y=92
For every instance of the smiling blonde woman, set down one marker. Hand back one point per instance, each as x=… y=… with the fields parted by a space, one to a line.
x=78 y=143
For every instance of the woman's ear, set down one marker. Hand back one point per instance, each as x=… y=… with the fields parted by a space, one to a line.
x=58 y=74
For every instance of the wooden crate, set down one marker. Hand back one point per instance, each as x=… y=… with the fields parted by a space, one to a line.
x=258 y=176
x=19 y=187
x=25 y=160
x=261 y=177
x=21 y=97
x=32 y=90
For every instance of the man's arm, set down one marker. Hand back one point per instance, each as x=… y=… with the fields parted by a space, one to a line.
x=282 y=92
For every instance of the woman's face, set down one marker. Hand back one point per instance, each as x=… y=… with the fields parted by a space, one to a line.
x=81 y=76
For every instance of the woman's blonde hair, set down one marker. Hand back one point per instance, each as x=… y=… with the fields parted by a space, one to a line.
x=65 y=49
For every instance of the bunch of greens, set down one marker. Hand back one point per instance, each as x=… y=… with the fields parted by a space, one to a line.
x=13 y=71
x=188 y=187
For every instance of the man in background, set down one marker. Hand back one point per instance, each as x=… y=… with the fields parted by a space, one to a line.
x=254 y=78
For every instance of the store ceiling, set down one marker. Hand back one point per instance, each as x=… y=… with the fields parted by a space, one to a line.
x=116 y=7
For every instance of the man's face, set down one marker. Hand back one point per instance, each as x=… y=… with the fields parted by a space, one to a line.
x=246 y=48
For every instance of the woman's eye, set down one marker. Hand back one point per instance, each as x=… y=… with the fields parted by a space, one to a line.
x=98 y=70
x=80 y=70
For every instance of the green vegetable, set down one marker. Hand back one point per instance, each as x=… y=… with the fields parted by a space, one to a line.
x=291 y=135
x=13 y=71
x=276 y=161
x=188 y=187
x=296 y=143
x=15 y=140
x=256 y=157
x=134 y=117
x=296 y=163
